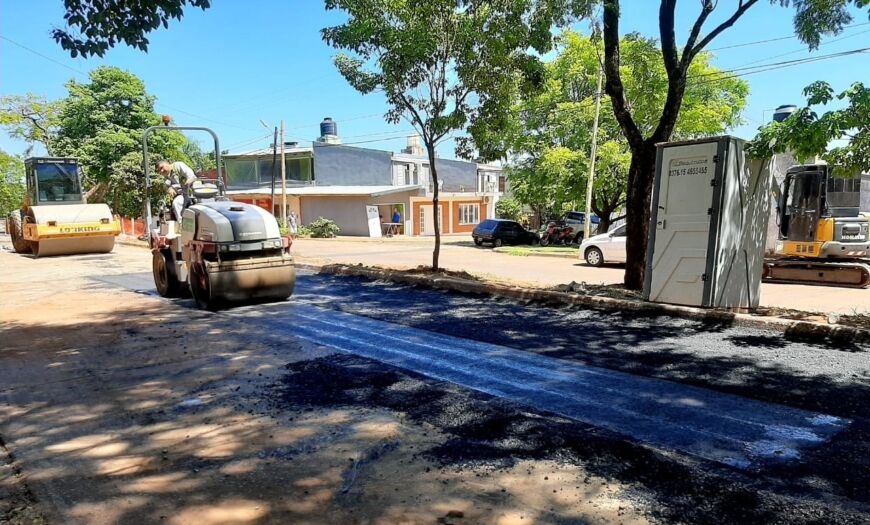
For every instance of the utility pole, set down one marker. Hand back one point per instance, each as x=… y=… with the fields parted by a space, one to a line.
x=274 y=161
x=283 y=180
x=587 y=221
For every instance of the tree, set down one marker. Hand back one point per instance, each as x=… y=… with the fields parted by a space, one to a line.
x=11 y=183
x=30 y=118
x=813 y=19
x=551 y=137
x=95 y=26
x=101 y=122
x=199 y=160
x=807 y=135
x=442 y=63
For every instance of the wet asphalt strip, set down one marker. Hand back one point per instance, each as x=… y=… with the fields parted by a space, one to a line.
x=721 y=427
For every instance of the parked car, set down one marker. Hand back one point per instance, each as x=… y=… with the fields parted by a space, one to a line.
x=502 y=231
x=604 y=248
x=577 y=220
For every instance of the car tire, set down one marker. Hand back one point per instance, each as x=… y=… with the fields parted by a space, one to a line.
x=594 y=257
x=496 y=243
x=477 y=241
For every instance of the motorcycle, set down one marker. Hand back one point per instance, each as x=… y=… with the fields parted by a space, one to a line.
x=557 y=234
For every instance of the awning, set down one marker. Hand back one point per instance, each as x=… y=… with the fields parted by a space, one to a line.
x=327 y=191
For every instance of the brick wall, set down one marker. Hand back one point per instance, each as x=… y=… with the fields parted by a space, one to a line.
x=466 y=228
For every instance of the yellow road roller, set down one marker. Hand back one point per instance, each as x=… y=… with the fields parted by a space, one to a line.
x=54 y=218
x=222 y=251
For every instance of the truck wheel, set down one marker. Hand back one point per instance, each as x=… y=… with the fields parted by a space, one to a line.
x=16 y=231
x=165 y=279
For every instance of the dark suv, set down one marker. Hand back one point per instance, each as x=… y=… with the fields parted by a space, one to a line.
x=502 y=231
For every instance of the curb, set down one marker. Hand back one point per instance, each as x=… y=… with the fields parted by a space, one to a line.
x=127 y=240
x=539 y=254
x=790 y=328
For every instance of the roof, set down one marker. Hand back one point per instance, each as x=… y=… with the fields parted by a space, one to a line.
x=324 y=191
x=267 y=152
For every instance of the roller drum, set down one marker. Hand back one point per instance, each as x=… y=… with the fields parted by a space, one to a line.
x=214 y=284
x=72 y=245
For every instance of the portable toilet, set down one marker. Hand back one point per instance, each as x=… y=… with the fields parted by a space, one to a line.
x=708 y=224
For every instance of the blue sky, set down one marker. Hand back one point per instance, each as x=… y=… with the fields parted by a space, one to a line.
x=241 y=62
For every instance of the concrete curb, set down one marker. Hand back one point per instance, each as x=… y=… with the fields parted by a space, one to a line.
x=790 y=328
x=539 y=254
x=127 y=240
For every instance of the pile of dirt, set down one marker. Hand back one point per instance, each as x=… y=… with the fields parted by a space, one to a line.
x=420 y=270
x=614 y=291
x=618 y=291
x=852 y=320
x=490 y=433
x=856 y=320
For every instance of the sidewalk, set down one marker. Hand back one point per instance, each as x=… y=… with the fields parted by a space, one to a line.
x=459 y=253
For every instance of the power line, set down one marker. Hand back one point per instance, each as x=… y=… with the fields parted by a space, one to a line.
x=744 y=44
x=385 y=139
x=804 y=50
x=207 y=119
x=246 y=104
x=46 y=57
x=80 y=72
x=248 y=141
x=781 y=65
x=786 y=62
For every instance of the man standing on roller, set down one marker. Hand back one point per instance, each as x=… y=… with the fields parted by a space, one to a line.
x=178 y=178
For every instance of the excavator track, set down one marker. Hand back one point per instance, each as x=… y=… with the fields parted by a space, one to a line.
x=853 y=274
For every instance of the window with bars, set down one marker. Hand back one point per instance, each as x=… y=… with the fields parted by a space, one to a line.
x=469 y=213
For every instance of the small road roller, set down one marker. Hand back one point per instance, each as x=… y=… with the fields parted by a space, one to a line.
x=222 y=251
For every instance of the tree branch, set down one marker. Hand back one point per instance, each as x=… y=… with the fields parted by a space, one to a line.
x=688 y=53
x=741 y=8
x=613 y=87
x=669 y=40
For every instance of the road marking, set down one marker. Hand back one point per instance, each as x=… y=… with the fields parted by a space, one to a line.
x=725 y=428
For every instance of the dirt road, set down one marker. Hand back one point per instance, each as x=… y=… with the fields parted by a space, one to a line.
x=119 y=407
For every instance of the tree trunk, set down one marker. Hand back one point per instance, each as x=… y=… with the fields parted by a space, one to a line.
x=436 y=253
x=97 y=193
x=640 y=179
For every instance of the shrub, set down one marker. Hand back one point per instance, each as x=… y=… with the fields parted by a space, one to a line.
x=508 y=208
x=323 y=228
x=283 y=228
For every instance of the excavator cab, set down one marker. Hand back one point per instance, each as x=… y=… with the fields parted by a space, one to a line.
x=823 y=237
x=819 y=208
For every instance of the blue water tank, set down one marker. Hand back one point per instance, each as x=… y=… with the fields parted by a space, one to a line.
x=781 y=113
x=328 y=127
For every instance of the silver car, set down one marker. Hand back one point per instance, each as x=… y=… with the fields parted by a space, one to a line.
x=604 y=248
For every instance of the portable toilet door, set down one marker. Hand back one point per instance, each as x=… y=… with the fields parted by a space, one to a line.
x=684 y=193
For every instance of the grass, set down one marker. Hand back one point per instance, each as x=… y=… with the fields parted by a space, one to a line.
x=523 y=251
